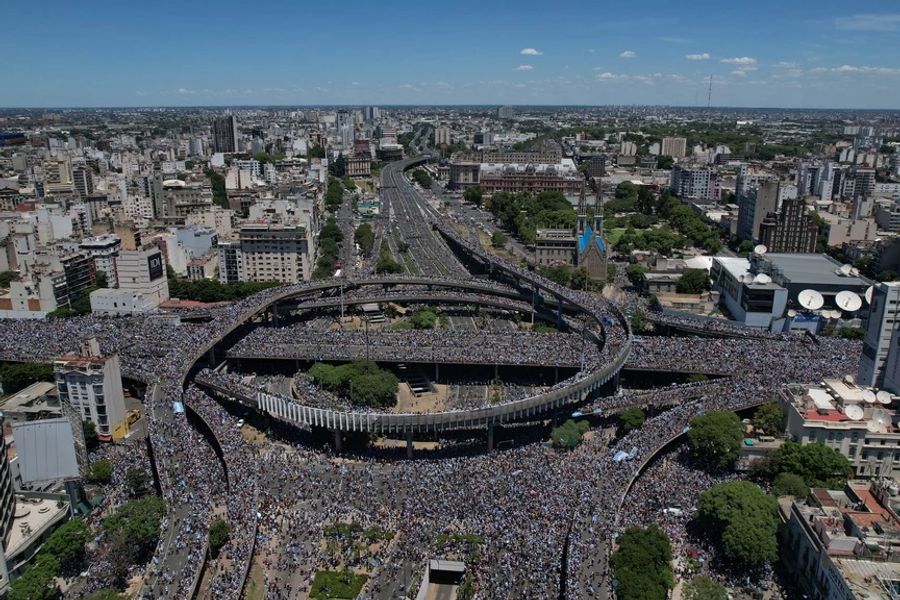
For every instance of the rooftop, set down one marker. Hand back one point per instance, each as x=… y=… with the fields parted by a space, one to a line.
x=809 y=269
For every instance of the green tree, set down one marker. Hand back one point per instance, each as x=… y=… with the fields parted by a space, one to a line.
x=852 y=333
x=473 y=195
x=701 y=587
x=499 y=239
x=18 y=376
x=715 y=438
x=665 y=162
x=220 y=195
x=743 y=521
x=133 y=530
x=386 y=262
x=635 y=274
x=37 y=582
x=769 y=419
x=790 y=484
x=91 y=439
x=611 y=271
x=219 y=531
x=816 y=463
x=101 y=281
x=100 y=471
x=7 y=277
x=67 y=545
x=630 y=419
x=693 y=281
x=316 y=151
x=364 y=236
x=569 y=434
x=338 y=167
x=642 y=564
x=424 y=319
x=580 y=280
x=138 y=481
x=639 y=321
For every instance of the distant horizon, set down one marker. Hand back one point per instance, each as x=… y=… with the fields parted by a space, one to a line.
x=585 y=53
x=444 y=105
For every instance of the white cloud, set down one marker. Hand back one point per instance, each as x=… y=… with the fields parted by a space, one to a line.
x=703 y=56
x=739 y=60
x=186 y=91
x=530 y=52
x=868 y=22
x=628 y=54
x=863 y=69
x=523 y=68
x=785 y=65
x=607 y=76
x=591 y=50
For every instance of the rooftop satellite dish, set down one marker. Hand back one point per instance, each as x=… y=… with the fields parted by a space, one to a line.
x=792 y=313
x=854 y=271
x=848 y=301
x=869 y=291
x=810 y=299
x=869 y=397
x=762 y=278
x=760 y=249
x=845 y=269
x=850 y=379
x=854 y=412
x=884 y=397
x=880 y=421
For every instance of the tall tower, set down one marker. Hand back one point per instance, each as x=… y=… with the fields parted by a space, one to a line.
x=598 y=209
x=582 y=212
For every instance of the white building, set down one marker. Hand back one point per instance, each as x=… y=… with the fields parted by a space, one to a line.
x=676 y=147
x=753 y=302
x=92 y=384
x=103 y=250
x=865 y=434
x=882 y=323
x=142 y=284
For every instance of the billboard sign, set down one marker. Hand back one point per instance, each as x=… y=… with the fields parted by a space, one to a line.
x=155 y=266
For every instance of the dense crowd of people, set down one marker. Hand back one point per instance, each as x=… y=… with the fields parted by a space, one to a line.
x=425 y=345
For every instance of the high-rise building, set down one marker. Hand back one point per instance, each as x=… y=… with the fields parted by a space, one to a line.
x=225 y=134
x=694 y=184
x=80 y=273
x=371 y=113
x=91 y=383
x=229 y=261
x=884 y=312
x=83 y=179
x=442 y=135
x=753 y=206
x=103 y=250
x=505 y=112
x=676 y=147
x=195 y=147
x=792 y=230
x=272 y=252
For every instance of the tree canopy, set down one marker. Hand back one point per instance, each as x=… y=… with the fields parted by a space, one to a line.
x=693 y=281
x=362 y=382
x=769 y=419
x=817 y=464
x=100 y=471
x=743 y=521
x=133 y=530
x=67 y=544
x=522 y=213
x=642 y=565
x=790 y=484
x=364 y=236
x=18 y=376
x=219 y=530
x=569 y=434
x=715 y=438
x=630 y=419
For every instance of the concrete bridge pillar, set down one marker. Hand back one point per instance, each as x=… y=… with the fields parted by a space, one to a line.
x=559 y=313
x=490 y=438
x=409 y=444
x=275 y=319
x=338 y=441
x=211 y=356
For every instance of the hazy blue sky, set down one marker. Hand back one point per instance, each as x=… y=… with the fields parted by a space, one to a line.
x=795 y=53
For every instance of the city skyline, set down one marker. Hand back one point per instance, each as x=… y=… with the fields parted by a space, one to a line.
x=764 y=55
